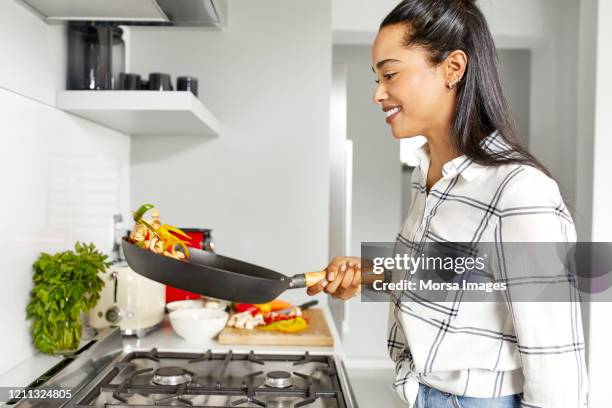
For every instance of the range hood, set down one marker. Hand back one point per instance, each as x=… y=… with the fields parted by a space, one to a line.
x=192 y=13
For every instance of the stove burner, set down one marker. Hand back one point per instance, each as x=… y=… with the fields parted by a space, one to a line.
x=171 y=376
x=278 y=379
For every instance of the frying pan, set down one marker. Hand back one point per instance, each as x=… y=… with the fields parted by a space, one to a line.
x=216 y=275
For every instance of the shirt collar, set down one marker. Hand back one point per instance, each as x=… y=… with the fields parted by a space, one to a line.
x=461 y=165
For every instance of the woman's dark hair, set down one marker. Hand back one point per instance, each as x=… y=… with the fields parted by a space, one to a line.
x=442 y=26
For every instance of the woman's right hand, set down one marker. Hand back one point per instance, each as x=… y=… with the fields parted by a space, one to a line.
x=343 y=278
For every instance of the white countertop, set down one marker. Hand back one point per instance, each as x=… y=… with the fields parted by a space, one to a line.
x=165 y=339
x=28 y=370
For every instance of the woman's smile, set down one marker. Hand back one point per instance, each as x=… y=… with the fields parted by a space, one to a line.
x=392 y=112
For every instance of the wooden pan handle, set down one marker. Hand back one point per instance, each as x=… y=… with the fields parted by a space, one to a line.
x=304 y=280
x=312 y=278
x=309 y=279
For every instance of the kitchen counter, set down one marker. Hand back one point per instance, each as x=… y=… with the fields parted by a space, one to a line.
x=165 y=339
x=28 y=370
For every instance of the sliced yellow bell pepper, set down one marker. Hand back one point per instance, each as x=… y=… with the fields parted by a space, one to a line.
x=287 y=326
x=177 y=231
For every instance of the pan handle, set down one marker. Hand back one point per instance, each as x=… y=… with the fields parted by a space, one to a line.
x=304 y=280
x=312 y=278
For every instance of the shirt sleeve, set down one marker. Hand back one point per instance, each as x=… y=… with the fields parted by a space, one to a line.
x=549 y=332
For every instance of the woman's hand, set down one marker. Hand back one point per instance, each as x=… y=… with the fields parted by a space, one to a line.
x=343 y=279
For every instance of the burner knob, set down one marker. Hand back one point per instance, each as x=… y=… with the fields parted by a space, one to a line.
x=114 y=314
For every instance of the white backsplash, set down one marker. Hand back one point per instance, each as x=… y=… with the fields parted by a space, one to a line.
x=62 y=180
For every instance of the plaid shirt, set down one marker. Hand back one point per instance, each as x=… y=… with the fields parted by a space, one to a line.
x=488 y=349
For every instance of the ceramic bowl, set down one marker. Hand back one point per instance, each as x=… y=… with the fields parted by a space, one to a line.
x=197 y=325
x=185 y=304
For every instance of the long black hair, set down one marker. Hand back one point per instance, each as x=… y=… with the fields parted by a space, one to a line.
x=442 y=26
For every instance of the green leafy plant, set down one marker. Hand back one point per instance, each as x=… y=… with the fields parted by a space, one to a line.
x=65 y=284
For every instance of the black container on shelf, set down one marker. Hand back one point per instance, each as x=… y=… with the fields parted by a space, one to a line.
x=187 y=83
x=159 y=81
x=95 y=55
x=129 y=82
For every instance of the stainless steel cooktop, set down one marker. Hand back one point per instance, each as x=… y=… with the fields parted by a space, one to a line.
x=102 y=378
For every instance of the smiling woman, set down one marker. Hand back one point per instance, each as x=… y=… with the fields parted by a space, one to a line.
x=437 y=76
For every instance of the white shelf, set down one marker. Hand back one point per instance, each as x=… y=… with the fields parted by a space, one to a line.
x=142 y=113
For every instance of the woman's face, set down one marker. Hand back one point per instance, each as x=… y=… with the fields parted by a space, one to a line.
x=411 y=92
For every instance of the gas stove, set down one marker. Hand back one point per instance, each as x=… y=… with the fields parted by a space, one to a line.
x=102 y=378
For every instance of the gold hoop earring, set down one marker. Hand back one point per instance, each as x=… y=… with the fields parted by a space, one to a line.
x=452 y=85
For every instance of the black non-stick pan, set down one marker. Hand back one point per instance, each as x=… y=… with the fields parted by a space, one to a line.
x=215 y=275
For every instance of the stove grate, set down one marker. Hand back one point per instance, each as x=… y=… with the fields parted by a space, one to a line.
x=228 y=358
x=248 y=385
x=251 y=390
x=180 y=391
x=305 y=360
x=204 y=357
x=125 y=385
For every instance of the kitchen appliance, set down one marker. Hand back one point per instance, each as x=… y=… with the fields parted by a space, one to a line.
x=193 y=13
x=215 y=275
x=102 y=375
x=129 y=300
x=199 y=238
x=96 y=55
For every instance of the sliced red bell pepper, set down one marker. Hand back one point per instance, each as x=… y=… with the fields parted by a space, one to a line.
x=246 y=307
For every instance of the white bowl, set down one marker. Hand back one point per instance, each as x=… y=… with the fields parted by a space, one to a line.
x=216 y=304
x=185 y=304
x=198 y=325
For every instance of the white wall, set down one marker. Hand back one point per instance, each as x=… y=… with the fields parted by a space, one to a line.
x=553 y=96
x=515 y=72
x=376 y=168
x=62 y=177
x=593 y=148
x=263 y=185
x=340 y=182
x=376 y=199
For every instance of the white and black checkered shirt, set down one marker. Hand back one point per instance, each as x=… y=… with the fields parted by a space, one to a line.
x=489 y=349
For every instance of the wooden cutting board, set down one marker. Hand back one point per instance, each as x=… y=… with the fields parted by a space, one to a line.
x=317 y=334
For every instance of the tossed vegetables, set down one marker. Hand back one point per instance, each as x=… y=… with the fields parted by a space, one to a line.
x=160 y=238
